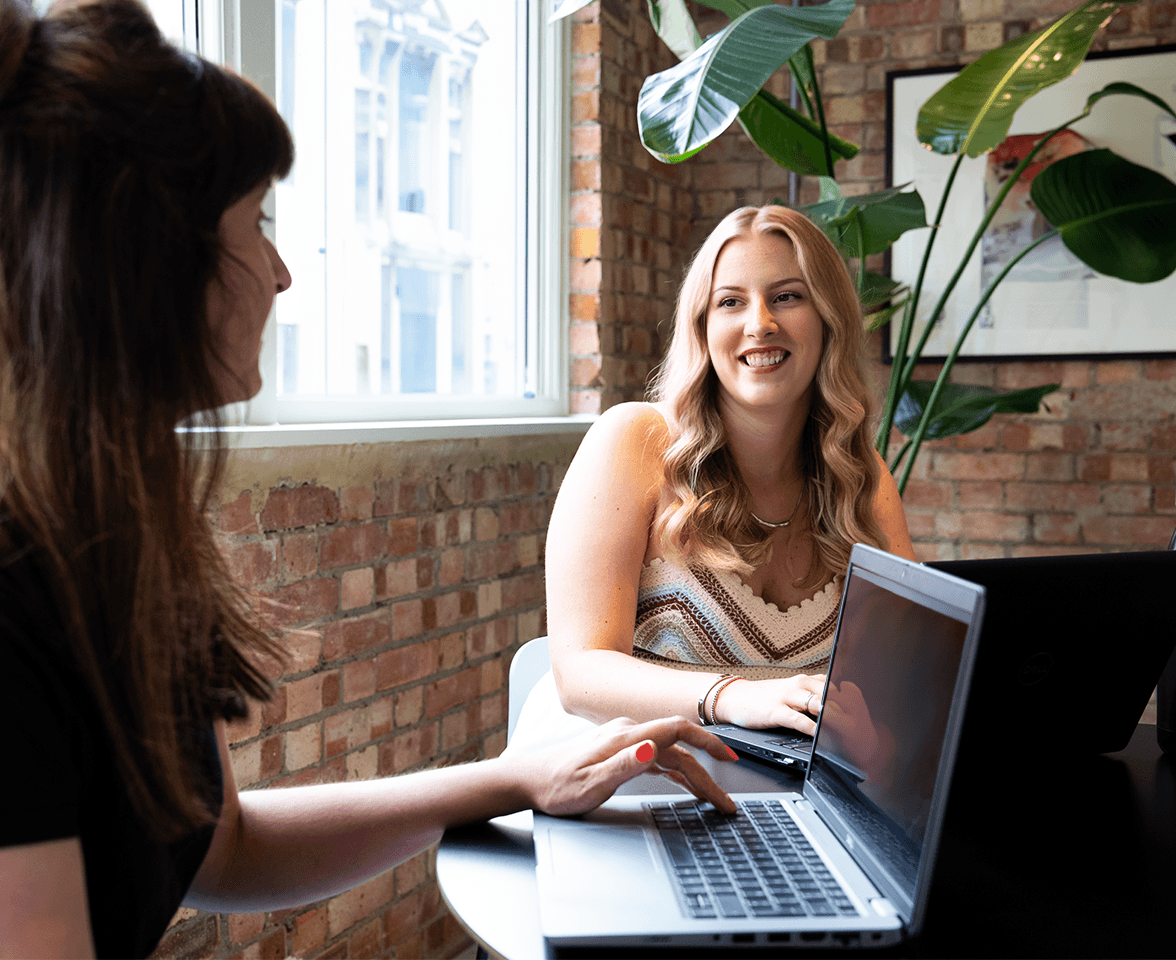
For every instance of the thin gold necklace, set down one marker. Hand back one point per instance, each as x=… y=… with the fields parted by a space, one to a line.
x=777 y=526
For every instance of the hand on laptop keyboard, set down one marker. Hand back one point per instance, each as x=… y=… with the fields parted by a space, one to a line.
x=577 y=777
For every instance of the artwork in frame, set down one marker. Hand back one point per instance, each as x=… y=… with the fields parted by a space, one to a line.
x=1051 y=305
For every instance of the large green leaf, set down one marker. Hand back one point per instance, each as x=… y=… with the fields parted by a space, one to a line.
x=879 y=289
x=1122 y=87
x=735 y=8
x=962 y=407
x=789 y=137
x=681 y=110
x=869 y=223
x=973 y=111
x=1114 y=215
x=673 y=24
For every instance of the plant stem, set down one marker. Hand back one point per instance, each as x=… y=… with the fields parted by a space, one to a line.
x=916 y=439
x=808 y=52
x=861 y=245
x=898 y=360
x=898 y=457
x=909 y=365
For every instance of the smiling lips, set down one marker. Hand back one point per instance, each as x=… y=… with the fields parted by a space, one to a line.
x=764 y=358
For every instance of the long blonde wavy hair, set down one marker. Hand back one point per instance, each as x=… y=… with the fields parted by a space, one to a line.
x=708 y=519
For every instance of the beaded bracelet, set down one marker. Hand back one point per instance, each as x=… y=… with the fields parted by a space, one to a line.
x=702 y=700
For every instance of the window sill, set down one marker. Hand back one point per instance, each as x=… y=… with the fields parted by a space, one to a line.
x=332 y=434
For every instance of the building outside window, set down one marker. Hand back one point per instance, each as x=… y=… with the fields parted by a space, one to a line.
x=409 y=220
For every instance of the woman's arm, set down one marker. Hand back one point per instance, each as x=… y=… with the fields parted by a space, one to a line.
x=43 y=910
x=891 y=517
x=275 y=849
x=596 y=543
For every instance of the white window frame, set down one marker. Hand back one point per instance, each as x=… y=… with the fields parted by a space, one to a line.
x=243 y=34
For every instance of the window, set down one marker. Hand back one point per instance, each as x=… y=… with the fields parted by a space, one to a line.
x=422 y=221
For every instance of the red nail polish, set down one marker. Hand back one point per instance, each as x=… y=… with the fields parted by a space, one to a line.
x=734 y=755
x=645 y=753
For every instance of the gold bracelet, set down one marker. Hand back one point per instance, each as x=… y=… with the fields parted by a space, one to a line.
x=719 y=688
x=702 y=700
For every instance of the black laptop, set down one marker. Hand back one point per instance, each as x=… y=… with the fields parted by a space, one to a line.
x=1071 y=648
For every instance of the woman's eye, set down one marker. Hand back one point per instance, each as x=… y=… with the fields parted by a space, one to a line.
x=727 y=302
x=787 y=295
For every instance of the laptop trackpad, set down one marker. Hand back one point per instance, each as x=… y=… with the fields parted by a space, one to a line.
x=601 y=866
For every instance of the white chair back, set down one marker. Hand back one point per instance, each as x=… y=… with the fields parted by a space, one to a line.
x=529 y=664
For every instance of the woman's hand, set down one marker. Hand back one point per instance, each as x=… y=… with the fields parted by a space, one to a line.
x=578 y=776
x=787 y=702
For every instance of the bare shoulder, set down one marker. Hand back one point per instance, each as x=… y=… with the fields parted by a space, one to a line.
x=890 y=514
x=635 y=431
x=633 y=421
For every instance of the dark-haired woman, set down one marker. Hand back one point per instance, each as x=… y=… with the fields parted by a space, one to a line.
x=135 y=281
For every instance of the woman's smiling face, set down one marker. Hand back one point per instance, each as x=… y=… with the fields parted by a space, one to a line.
x=763 y=332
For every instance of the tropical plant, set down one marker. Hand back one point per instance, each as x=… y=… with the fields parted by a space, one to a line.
x=1118 y=218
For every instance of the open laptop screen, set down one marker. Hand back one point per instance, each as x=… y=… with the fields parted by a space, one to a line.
x=882 y=731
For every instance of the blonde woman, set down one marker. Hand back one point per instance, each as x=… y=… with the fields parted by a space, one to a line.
x=705 y=533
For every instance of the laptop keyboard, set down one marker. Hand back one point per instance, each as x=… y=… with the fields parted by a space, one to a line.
x=756 y=863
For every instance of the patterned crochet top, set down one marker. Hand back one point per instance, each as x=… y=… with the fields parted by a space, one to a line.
x=692 y=618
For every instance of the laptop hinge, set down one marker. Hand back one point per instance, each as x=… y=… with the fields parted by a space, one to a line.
x=883 y=907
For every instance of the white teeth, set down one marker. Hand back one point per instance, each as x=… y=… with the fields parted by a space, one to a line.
x=764 y=359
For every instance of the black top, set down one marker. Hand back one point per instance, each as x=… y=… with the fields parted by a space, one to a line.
x=65 y=781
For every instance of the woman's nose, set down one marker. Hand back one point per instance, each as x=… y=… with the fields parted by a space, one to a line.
x=281 y=271
x=760 y=320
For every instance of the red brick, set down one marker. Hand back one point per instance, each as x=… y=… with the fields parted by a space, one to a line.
x=346 y=546
x=303 y=506
x=974 y=466
x=980 y=494
x=409 y=749
x=489 y=638
x=308 y=932
x=253 y=563
x=405 y=665
x=585 y=38
x=1056 y=528
x=1161 y=469
x=299 y=556
x=523 y=590
x=355 y=503
x=358 y=680
x=402 y=537
x=1140 y=533
x=1051 y=467
x=1050 y=496
x=403 y=918
x=348 y=908
x=356 y=635
x=197 y=937
x=1127 y=498
x=301 y=602
x=357 y=588
x=445 y=694
x=236 y=516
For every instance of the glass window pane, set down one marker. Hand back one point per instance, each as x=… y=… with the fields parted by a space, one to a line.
x=403 y=221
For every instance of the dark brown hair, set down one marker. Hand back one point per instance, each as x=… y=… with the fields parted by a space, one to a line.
x=118 y=156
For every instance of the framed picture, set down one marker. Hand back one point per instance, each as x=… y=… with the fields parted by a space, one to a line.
x=1051 y=305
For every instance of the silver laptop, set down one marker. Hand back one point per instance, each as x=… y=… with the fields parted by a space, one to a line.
x=848 y=860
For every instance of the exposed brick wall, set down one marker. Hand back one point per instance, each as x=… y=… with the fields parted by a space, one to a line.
x=630 y=214
x=403 y=578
